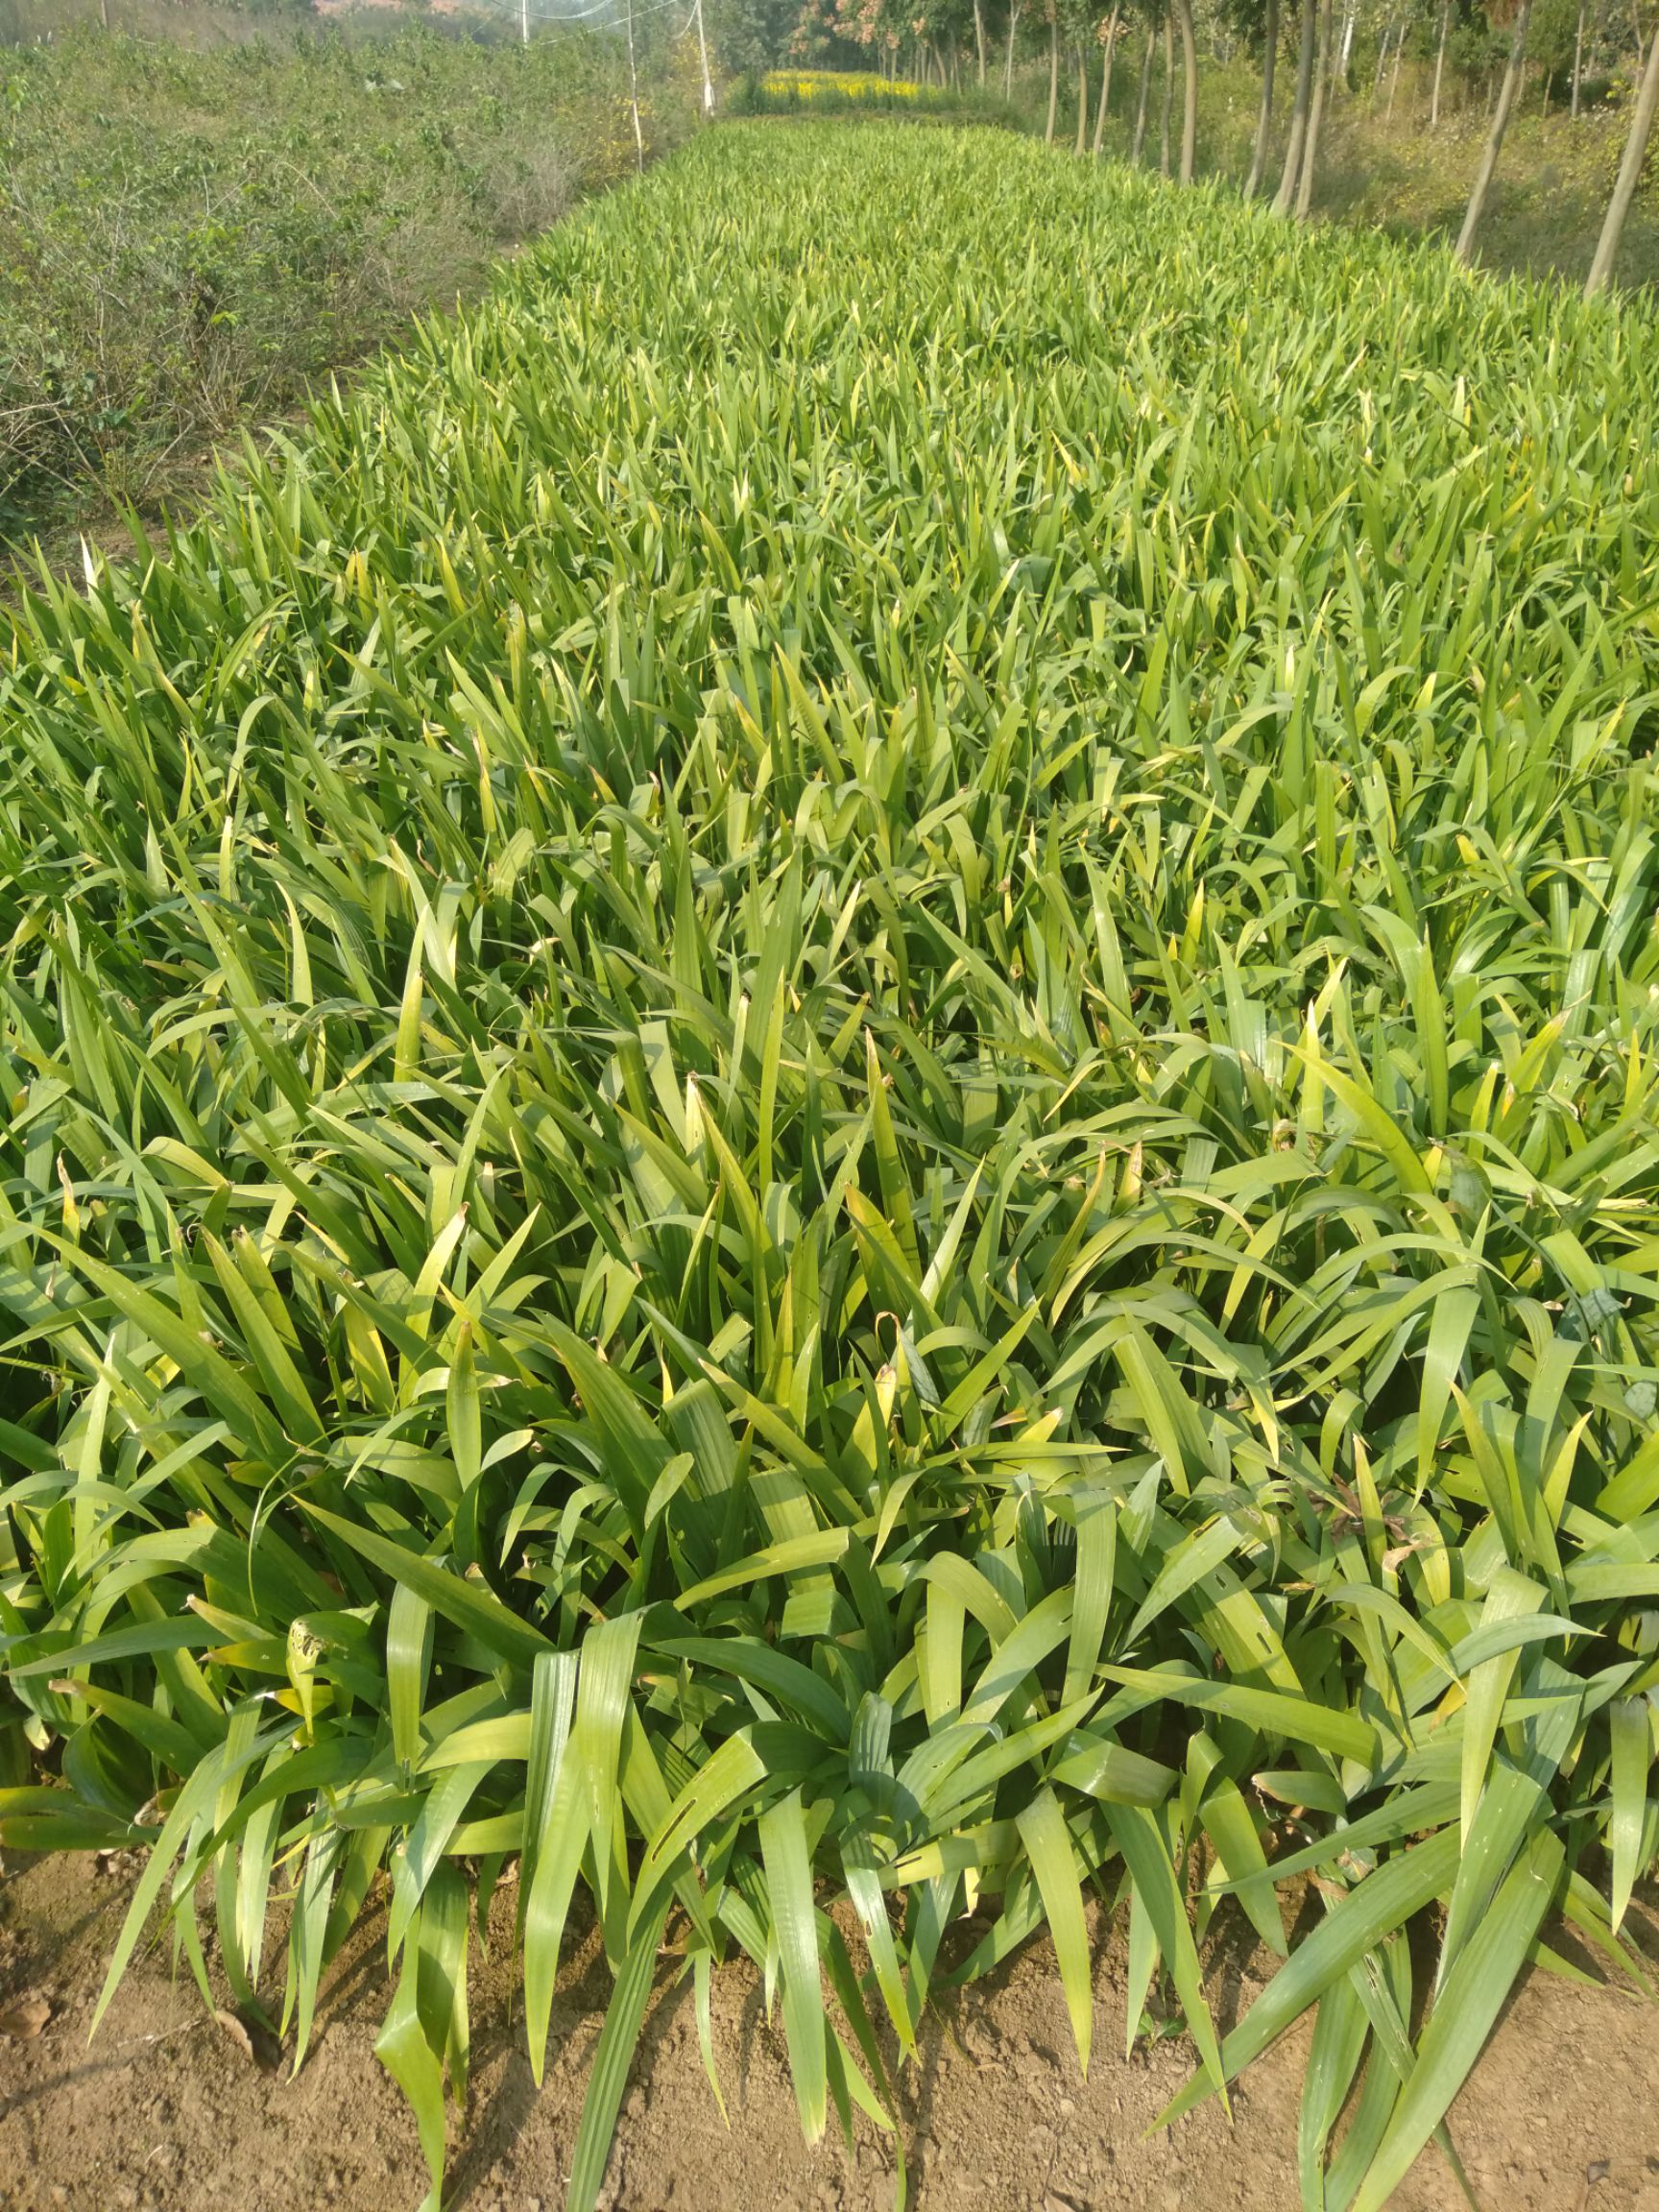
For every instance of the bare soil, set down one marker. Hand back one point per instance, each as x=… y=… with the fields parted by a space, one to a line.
x=165 y=2110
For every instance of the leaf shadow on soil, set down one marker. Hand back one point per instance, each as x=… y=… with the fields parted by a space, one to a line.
x=497 y=2117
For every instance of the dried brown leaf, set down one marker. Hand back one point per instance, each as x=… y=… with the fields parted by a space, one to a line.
x=254 y=2042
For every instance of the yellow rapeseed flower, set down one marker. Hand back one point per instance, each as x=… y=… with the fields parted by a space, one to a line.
x=850 y=83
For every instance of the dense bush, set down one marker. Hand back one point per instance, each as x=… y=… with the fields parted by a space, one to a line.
x=187 y=237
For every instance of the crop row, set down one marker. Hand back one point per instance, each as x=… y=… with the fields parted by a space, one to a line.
x=830 y=1102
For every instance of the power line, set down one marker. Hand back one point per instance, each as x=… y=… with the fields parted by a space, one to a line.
x=519 y=11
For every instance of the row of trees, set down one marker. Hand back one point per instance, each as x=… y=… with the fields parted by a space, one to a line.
x=950 y=41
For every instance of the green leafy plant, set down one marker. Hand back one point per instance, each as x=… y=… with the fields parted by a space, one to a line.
x=830 y=1088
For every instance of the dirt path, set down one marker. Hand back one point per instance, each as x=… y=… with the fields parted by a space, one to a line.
x=165 y=2111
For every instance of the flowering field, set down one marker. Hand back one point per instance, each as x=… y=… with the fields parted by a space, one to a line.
x=830 y=1088
x=843 y=84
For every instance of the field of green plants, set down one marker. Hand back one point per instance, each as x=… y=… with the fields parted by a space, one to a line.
x=830 y=1088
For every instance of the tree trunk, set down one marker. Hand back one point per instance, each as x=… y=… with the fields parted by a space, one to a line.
x=1188 y=92
x=1013 y=26
x=1082 y=97
x=1629 y=174
x=1592 y=52
x=1285 y=198
x=1394 y=80
x=1168 y=94
x=1439 y=65
x=1053 y=77
x=1353 y=17
x=1578 y=57
x=1265 y=122
x=1106 y=79
x=979 y=38
x=1310 y=150
x=1144 y=100
x=1465 y=247
x=1636 y=22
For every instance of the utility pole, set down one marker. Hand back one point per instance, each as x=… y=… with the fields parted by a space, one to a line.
x=703 y=50
x=525 y=22
x=634 y=93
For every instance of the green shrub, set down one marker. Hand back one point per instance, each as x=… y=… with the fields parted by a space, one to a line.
x=189 y=238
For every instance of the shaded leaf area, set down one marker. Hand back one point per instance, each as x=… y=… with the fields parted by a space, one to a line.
x=830 y=1081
